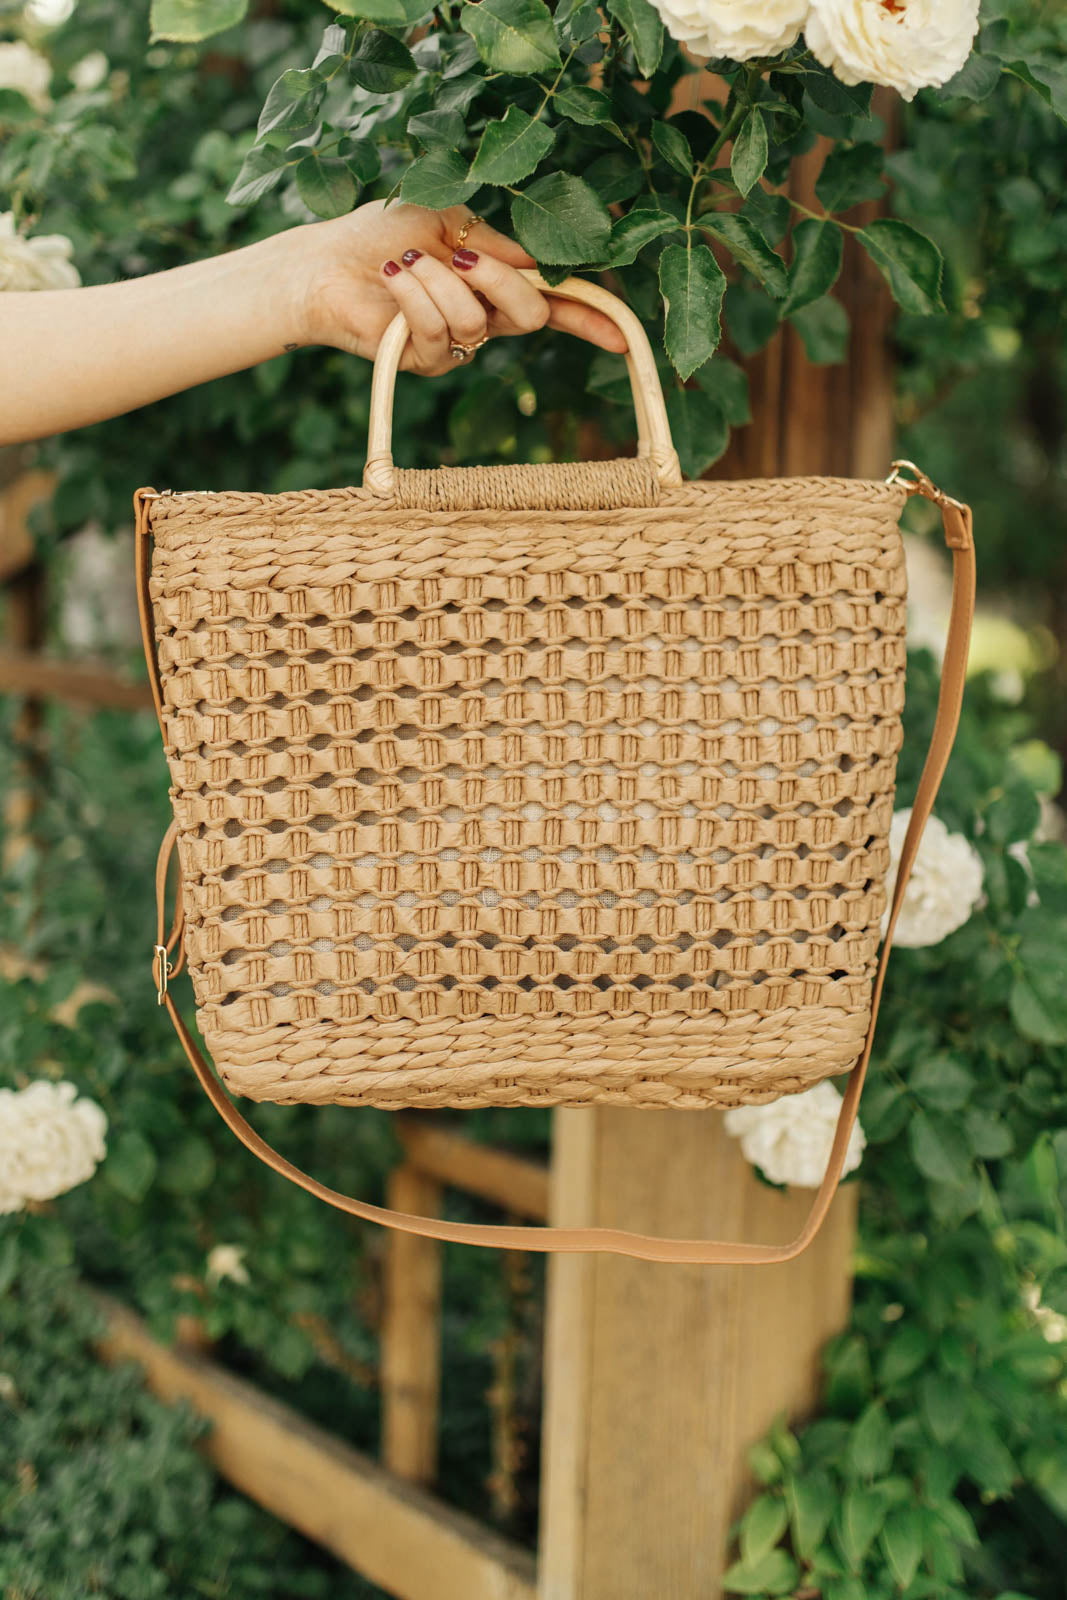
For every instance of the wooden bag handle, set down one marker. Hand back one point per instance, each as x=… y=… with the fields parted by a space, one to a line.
x=654 y=440
x=702 y=1252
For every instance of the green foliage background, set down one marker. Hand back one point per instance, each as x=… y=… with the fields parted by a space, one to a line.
x=939 y=1464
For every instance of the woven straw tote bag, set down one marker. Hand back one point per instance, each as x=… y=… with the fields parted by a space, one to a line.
x=560 y=785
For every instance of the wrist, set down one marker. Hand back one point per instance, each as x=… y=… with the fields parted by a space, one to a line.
x=285 y=268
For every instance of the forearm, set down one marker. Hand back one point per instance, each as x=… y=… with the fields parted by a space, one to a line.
x=75 y=356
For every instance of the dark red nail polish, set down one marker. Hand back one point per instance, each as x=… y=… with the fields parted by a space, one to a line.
x=410 y=257
x=391 y=269
x=465 y=260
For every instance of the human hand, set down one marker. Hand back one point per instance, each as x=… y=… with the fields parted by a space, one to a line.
x=362 y=268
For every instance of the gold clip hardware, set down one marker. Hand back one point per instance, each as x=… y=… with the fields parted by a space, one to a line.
x=919 y=483
x=162 y=970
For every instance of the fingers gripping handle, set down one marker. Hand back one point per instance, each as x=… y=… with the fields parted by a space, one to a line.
x=653 y=429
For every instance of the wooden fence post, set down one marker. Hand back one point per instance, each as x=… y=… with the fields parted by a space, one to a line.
x=659 y=1378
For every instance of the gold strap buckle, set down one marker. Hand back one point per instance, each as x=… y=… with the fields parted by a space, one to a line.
x=920 y=483
x=162 y=969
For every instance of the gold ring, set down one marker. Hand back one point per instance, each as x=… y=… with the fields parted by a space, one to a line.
x=462 y=352
x=461 y=237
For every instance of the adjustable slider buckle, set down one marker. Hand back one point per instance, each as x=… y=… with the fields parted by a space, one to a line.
x=162 y=969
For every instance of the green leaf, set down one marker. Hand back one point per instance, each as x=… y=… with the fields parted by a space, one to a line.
x=332 y=49
x=511 y=149
x=293 y=101
x=839 y=99
x=189 y=21
x=591 y=108
x=862 y=1516
x=943 y=1404
x=381 y=63
x=990 y=1136
x=261 y=169
x=846 y=1589
x=362 y=157
x=559 y=219
x=1039 y=992
x=851 y=175
x=942 y=1082
x=726 y=383
x=326 y=185
x=1045 y=75
x=692 y=285
x=751 y=317
x=437 y=128
x=513 y=36
x=637 y=228
x=776 y=1574
x=386 y=13
x=987 y=1461
x=1014 y=813
x=456 y=94
x=975 y=80
x=870 y=1446
x=1046 y=1467
x=749 y=249
x=131 y=1165
x=905 y=1353
x=673 y=146
x=644 y=28
x=939 y=1149
x=749 y=159
x=812 y=1501
x=824 y=331
x=699 y=429
x=437 y=179
x=848 y=1370
x=909 y=261
x=615 y=176
x=761 y=1527
x=817 y=250
x=902 y=1541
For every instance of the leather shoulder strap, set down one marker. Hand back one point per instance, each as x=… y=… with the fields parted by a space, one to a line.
x=959 y=538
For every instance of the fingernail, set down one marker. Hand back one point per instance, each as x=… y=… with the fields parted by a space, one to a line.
x=465 y=260
x=391 y=269
x=410 y=257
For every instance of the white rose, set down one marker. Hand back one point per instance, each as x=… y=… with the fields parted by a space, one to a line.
x=906 y=44
x=227 y=1261
x=945 y=884
x=739 y=29
x=50 y=1141
x=790 y=1140
x=90 y=72
x=41 y=263
x=27 y=70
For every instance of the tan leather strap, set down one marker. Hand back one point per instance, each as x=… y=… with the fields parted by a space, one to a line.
x=958 y=536
x=653 y=429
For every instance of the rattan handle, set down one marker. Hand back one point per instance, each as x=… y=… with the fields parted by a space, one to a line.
x=653 y=430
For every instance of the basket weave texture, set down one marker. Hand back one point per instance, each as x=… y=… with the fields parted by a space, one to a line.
x=536 y=786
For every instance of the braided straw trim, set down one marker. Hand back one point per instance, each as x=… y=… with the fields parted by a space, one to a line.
x=674 y=1062
x=558 y=486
